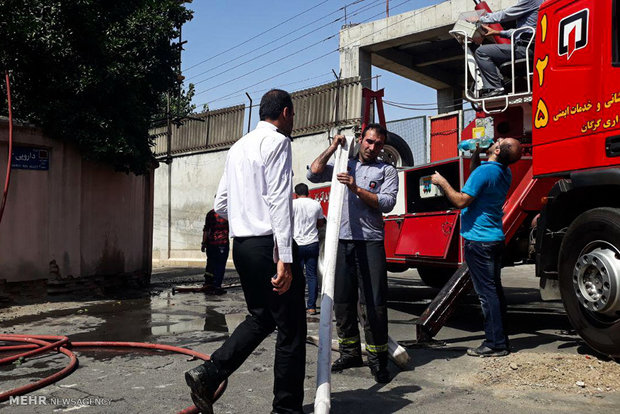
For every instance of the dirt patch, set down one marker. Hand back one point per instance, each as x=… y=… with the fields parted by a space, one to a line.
x=583 y=374
x=14 y=312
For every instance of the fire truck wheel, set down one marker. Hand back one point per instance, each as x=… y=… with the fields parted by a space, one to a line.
x=589 y=273
x=396 y=151
x=435 y=277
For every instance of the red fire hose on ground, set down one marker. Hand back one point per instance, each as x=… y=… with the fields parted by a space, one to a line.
x=39 y=344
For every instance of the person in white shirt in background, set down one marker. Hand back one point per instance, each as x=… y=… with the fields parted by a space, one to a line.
x=307 y=219
x=255 y=195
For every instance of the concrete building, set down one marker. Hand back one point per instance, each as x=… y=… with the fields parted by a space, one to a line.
x=70 y=224
x=416 y=45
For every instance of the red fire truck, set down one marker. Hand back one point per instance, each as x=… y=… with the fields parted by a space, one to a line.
x=563 y=208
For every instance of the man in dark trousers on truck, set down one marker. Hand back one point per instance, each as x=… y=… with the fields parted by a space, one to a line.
x=490 y=57
x=360 y=264
x=481 y=201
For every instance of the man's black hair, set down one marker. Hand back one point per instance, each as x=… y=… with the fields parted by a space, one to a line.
x=506 y=154
x=301 y=189
x=379 y=130
x=273 y=103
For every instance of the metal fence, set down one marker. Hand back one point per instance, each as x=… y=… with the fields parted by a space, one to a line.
x=315 y=107
x=413 y=131
x=210 y=130
x=219 y=129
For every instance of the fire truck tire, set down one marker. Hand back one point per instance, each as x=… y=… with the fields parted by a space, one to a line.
x=589 y=278
x=435 y=277
x=397 y=152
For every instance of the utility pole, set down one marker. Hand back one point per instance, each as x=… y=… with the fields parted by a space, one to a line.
x=387 y=8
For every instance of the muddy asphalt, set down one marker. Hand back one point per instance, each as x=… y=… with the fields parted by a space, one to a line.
x=440 y=378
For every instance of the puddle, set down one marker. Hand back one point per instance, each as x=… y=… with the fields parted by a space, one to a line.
x=138 y=319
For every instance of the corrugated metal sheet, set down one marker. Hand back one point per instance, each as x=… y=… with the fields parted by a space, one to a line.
x=206 y=131
x=314 y=107
x=219 y=129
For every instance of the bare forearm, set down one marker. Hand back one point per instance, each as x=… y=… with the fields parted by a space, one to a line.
x=458 y=199
x=318 y=165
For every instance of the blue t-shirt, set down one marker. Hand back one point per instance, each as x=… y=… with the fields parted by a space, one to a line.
x=482 y=219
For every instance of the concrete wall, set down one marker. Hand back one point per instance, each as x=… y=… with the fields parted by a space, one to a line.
x=185 y=189
x=78 y=218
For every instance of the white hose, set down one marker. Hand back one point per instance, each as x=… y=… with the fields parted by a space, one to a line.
x=322 y=401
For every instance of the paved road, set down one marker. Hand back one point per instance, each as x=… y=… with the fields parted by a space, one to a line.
x=440 y=379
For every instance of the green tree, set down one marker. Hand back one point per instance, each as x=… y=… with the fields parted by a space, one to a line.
x=92 y=72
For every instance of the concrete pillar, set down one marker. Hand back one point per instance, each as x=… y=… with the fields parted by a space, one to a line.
x=448 y=100
x=353 y=60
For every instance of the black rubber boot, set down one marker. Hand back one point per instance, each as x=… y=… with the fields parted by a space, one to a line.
x=378 y=367
x=347 y=361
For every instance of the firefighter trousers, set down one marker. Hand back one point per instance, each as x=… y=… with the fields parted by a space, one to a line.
x=361 y=275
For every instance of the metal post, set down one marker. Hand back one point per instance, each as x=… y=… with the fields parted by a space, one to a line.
x=387 y=8
x=169 y=162
x=250 y=112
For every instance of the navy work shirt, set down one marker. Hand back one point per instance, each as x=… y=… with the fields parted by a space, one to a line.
x=359 y=220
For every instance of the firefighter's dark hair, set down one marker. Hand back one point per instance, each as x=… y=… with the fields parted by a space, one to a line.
x=379 y=130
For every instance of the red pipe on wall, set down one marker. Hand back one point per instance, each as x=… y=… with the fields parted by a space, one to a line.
x=8 y=162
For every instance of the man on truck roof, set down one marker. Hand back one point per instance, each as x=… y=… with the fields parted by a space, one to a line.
x=481 y=201
x=490 y=57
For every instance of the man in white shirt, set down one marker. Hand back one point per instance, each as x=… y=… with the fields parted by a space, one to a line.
x=308 y=218
x=255 y=196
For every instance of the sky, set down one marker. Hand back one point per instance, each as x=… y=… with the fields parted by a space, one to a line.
x=238 y=46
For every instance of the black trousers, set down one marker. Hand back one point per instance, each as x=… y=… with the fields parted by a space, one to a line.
x=253 y=258
x=361 y=266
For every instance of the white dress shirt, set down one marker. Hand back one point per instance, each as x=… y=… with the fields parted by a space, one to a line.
x=255 y=192
x=307 y=212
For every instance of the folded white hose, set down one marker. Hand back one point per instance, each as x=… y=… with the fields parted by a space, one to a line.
x=322 y=401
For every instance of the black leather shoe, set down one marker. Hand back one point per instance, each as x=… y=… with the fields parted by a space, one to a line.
x=347 y=361
x=203 y=381
x=484 y=351
x=490 y=93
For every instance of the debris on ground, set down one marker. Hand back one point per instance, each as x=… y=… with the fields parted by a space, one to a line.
x=582 y=374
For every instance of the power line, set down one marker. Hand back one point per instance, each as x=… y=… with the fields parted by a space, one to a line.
x=320 y=57
x=285 y=44
x=284 y=84
x=266 y=65
x=258 y=35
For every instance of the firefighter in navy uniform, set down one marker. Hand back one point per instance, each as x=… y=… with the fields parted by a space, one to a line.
x=360 y=266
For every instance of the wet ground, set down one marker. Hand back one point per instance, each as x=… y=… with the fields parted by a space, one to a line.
x=440 y=378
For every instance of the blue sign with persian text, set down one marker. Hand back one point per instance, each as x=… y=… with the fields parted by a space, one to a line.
x=29 y=158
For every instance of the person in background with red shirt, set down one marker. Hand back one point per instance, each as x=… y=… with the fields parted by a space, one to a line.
x=216 y=244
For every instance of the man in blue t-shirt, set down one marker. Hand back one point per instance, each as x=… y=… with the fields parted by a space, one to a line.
x=481 y=201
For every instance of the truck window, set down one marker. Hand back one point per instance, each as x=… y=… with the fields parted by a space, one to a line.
x=615 y=44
